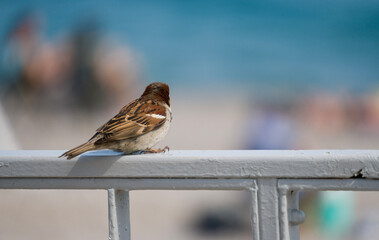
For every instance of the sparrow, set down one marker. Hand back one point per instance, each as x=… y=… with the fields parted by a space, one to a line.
x=137 y=127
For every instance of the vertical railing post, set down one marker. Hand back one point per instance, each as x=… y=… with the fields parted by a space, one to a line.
x=283 y=216
x=118 y=214
x=295 y=215
x=268 y=200
x=254 y=210
x=290 y=214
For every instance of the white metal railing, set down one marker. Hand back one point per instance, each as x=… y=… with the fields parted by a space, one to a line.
x=272 y=177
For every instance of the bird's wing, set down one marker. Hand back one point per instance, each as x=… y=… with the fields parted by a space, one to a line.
x=137 y=118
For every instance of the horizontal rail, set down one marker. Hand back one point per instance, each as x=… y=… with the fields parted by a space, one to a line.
x=328 y=185
x=127 y=184
x=273 y=179
x=194 y=164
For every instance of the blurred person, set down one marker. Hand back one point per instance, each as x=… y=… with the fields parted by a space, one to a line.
x=117 y=71
x=272 y=128
x=370 y=113
x=84 y=72
x=100 y=71
x=31 y=66
x=85 y=91
x=325 y=112
x=20 y=44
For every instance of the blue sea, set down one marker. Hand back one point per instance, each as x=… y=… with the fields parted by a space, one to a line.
x=313 y=44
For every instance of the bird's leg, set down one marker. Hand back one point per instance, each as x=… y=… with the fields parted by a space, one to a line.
x=159 y=150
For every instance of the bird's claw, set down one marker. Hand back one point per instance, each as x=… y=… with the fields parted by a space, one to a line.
x=159 y=150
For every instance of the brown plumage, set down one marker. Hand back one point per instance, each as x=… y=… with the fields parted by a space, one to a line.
x=137 y=127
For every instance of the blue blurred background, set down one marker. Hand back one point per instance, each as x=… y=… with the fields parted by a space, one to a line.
x=296 y=45
x=243 y=75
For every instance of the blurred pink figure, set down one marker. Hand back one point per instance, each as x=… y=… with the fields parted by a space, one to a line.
x=39 y=63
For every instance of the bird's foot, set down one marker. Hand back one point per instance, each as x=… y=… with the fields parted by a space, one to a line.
x=159 y=150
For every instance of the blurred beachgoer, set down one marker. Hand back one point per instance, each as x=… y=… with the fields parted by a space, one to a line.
x=86 y=72
x=273 y=128
x=370 y=114
x=20 y=46
x=117 y=72
x=85 y=90
x=30 y=66
x=324 y=112
x=101 y=72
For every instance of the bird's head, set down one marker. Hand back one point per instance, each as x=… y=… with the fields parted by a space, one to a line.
x=159 y=91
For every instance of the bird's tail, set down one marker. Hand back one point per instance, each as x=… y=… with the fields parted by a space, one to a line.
x=78 y=150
